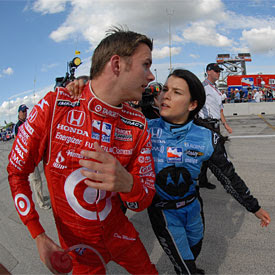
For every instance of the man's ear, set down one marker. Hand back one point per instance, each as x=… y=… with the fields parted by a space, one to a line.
x=115 y=64
x=193 y=105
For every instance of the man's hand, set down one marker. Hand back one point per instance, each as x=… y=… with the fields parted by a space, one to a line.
x=46 y=247
x=228 y=128
x=105 y=172
x=75 y=88
x=263 y=216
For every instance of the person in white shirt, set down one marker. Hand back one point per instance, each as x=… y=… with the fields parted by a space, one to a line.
x=212 y=113
x=257 y=96
x=224 y=97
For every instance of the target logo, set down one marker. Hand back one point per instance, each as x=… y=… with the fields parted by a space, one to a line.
x=90 y=195
x=22 y=204
x=98 y=108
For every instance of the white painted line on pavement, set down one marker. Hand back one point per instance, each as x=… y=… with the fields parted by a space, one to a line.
x=255 y=136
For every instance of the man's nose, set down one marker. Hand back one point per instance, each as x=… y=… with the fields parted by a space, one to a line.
x=151 y=76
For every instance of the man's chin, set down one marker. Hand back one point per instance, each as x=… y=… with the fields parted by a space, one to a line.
x=137 y=98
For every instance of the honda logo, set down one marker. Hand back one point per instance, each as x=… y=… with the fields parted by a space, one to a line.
x=156 y=132
x=76 y=118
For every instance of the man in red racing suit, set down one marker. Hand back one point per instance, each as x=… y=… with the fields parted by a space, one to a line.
x=57 y=130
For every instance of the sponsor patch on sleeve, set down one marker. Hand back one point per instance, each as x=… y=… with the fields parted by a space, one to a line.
x=132 y=205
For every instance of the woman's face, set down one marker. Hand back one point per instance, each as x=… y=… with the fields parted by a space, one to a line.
x=175 y=101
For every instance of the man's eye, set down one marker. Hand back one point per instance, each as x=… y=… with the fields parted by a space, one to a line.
x=147 y=65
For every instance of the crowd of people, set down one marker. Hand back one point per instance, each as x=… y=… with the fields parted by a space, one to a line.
x=249 y=95
x=101 y=156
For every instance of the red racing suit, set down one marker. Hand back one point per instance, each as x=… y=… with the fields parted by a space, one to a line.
x=57 y=129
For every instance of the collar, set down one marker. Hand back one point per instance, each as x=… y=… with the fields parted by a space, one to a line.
x=213 y=85
x=176 y=129
x=98 y=106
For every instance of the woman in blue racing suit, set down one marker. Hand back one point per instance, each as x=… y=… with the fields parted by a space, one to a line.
x=179 y=148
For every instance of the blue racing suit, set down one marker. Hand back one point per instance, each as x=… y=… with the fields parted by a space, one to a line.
x=175 y=214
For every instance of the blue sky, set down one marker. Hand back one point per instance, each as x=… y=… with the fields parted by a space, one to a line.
x=39 y=37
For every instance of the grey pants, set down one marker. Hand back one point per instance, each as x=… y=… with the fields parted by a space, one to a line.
x=36 y=184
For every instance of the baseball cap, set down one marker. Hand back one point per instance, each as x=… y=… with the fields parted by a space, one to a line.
x=22 y=107
x=213 y=66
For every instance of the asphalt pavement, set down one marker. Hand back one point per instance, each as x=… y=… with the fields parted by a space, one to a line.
x=234 y=241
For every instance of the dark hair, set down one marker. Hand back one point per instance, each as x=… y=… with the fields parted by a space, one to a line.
x=118 y=41
x=196 y=88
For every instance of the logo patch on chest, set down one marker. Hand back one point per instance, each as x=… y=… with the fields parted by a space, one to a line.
x=174 y=154
x=105 y=131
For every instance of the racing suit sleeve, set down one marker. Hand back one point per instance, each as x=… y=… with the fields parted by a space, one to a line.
x=224 y=170
x=28 y=149
x=141 y=167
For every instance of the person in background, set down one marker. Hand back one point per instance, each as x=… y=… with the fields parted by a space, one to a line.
x=237 y=96
x=269 y=95
x=22 y=116
x=263 y=94
x=224 y=97
x=179 y=147
x=212 y=112
x=273 y=94
x=92 y=149
x=232 y=96
x=35 y=177
x=241 y=95
x=249 y=94
x=256 y=96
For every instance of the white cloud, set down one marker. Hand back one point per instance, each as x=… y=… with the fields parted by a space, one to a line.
x=92 y=18
x=233 y=20
x=165 y=52
x=191 y=21
x=204 y=33
x=62 y=33
x=261 y=40
x=195 y=56
x=8 y=71
x=176 y=38
x=240 y=49
x=49 y=6
x=9 y=109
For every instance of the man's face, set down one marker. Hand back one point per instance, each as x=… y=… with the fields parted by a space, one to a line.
x=213 y=75
x=23 y=115
x=136 y=73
